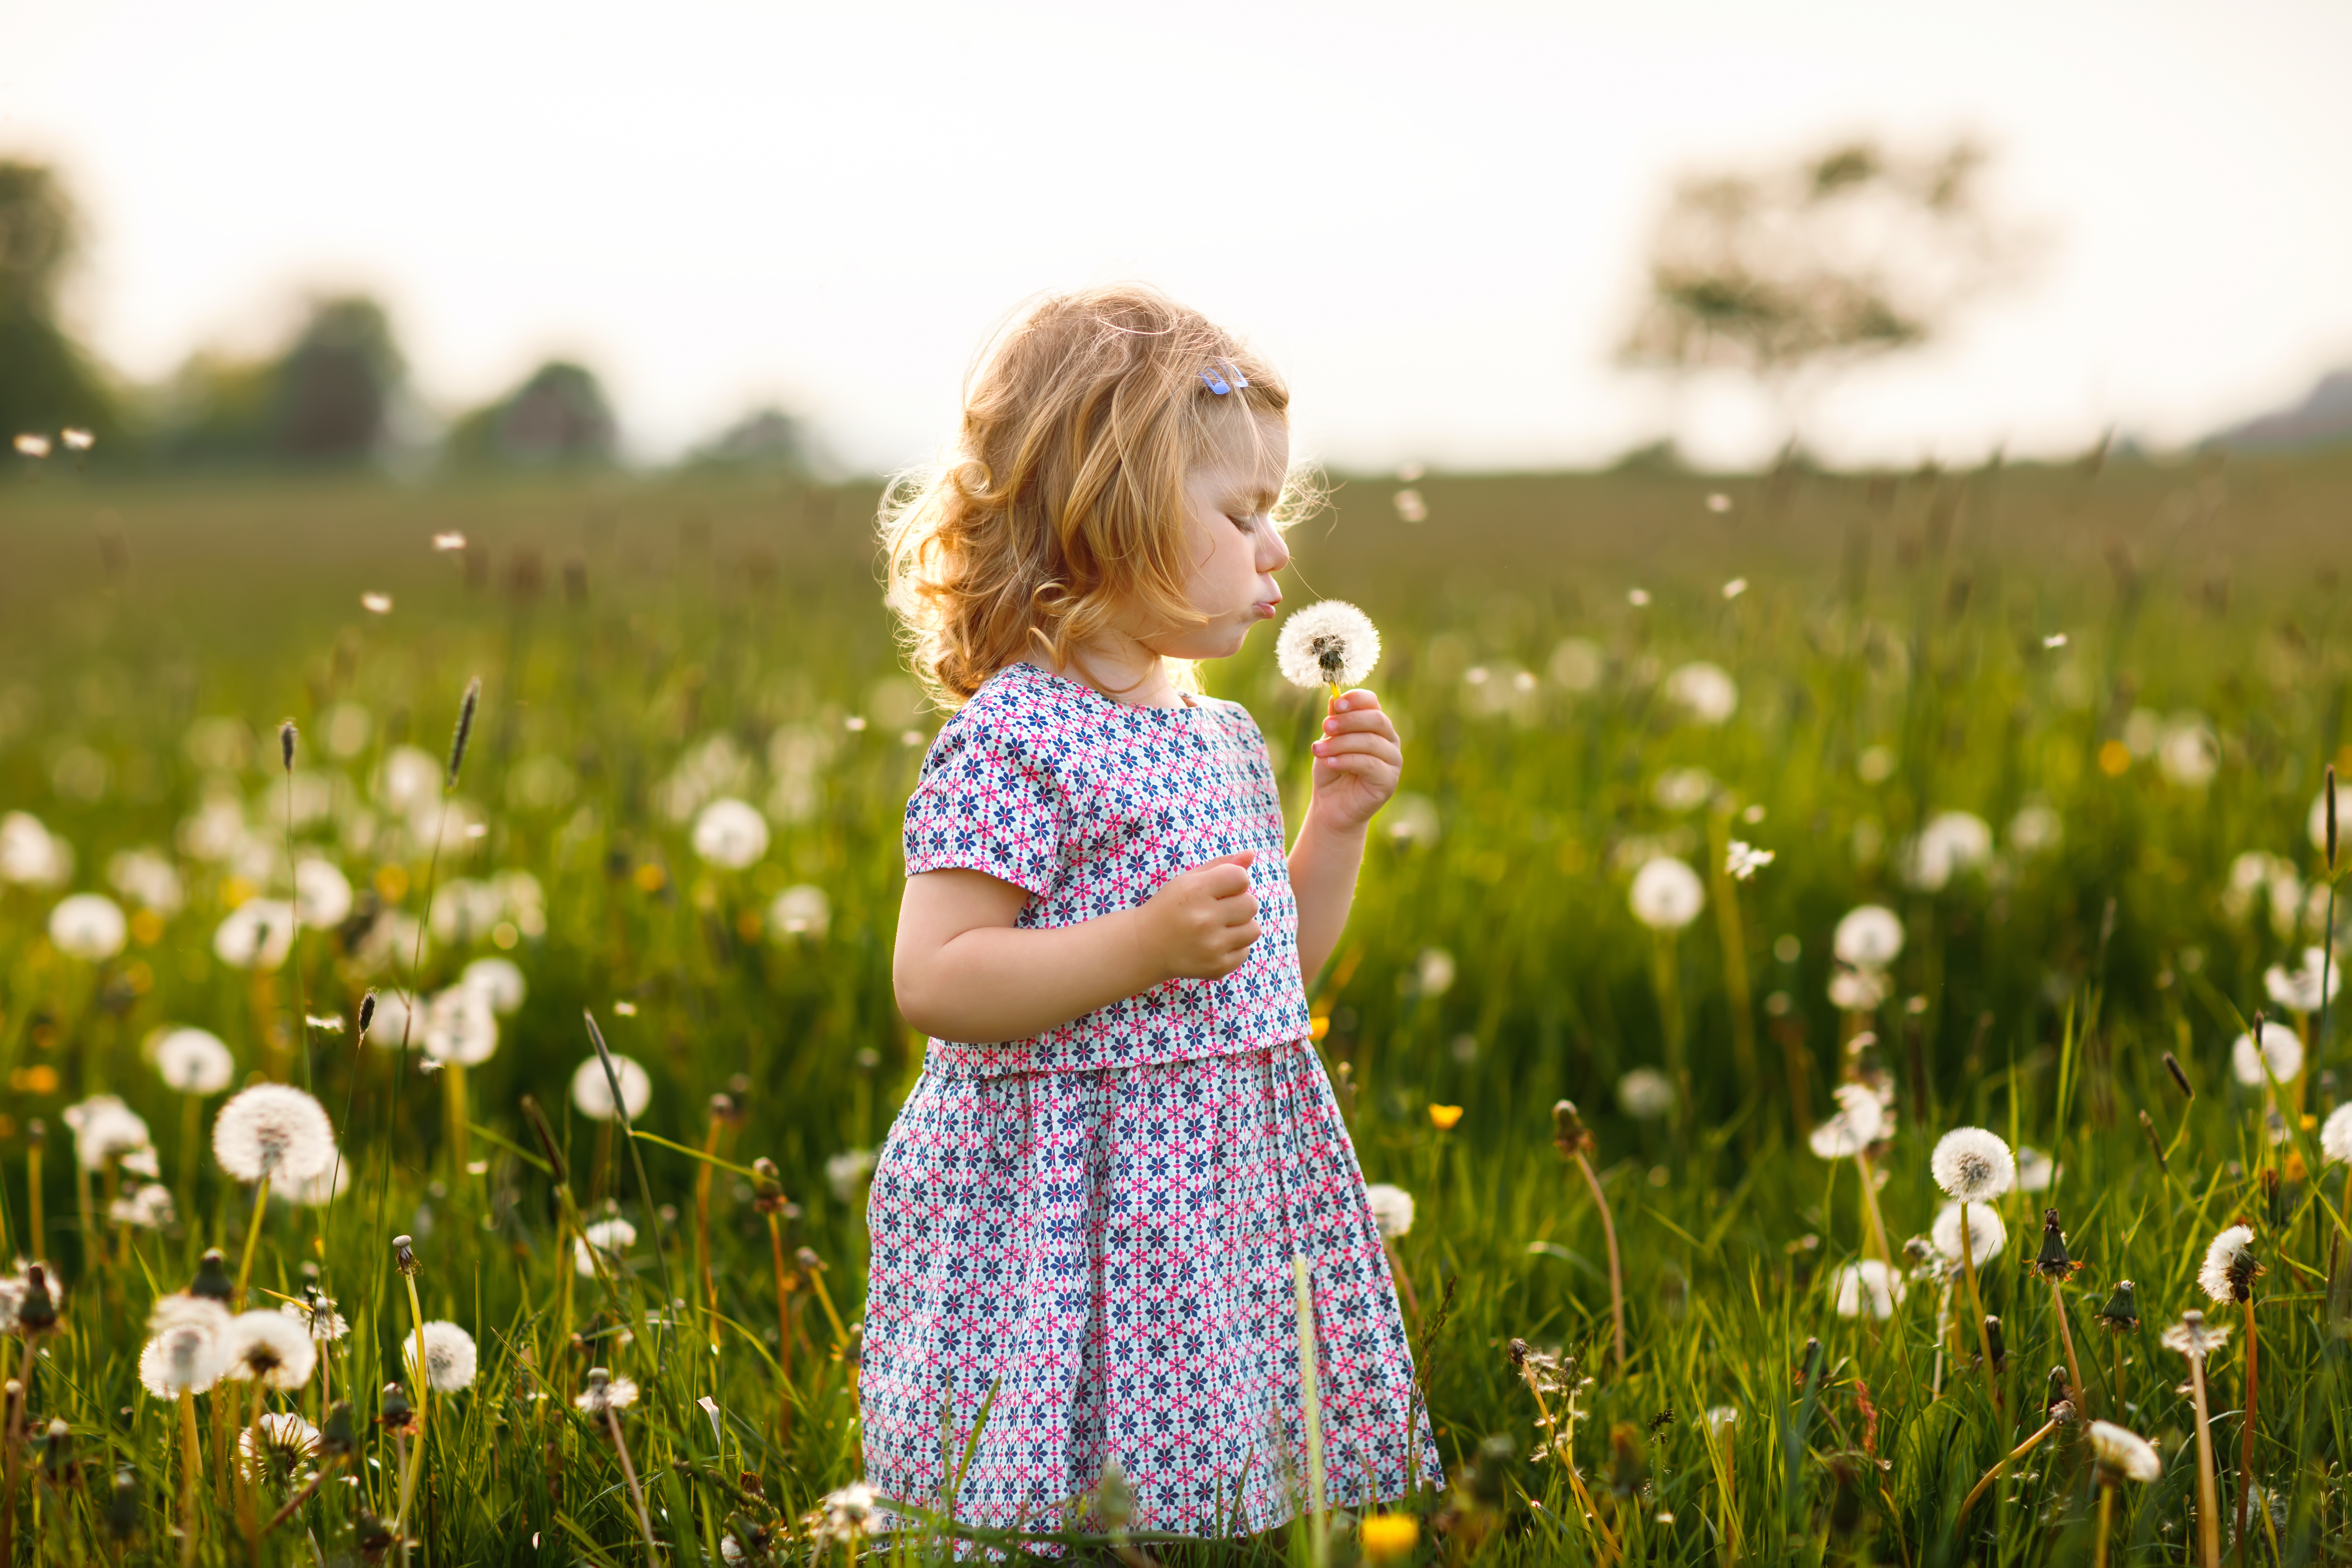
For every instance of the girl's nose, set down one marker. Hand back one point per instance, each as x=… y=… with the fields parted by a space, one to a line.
x=1273 y=553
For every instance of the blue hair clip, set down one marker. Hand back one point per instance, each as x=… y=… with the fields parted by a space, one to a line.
x=1216 y=377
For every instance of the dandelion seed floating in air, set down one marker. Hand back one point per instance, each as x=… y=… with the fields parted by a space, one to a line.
x=1331 y=643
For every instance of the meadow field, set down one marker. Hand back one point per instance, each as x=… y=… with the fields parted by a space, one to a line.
x=1997 y=798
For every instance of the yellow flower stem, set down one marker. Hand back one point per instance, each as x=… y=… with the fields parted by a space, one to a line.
x=1616 y=1273
x=1303 y=1299
x=252 y=1235
x=2208 y=1502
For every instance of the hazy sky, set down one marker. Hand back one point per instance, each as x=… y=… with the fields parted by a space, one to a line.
x=1430 y=216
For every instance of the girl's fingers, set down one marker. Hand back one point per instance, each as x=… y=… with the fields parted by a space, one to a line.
x=1371 y=722
x=1359 y=746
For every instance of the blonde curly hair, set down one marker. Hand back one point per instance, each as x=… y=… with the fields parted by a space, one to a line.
x=1059 y=510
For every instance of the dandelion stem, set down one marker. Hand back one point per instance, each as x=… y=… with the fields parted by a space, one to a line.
x=1976 y=1300
x=2001 y=1464
x=252 y=1235
x=418 y=1381
x=1734 y=948
x=1870 y=1208
x=2082 y=1391
x=2246 y=1450
x=192 y=1469
x=1303 y=1298
x=2209 y=1505
x=636 y=1493
x=1616 y=1272
x=453 y=1092
x=702 y=1234
x=784 y=1330
x=2106 y=1516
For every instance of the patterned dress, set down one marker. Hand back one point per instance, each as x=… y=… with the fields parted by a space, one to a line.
x=1091 y=1233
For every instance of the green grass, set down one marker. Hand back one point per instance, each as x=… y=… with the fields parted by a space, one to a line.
x=1892 y=659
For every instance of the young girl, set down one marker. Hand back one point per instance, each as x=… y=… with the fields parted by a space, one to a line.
x=1084 y=1218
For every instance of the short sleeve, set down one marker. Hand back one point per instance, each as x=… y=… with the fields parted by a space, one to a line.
x=986 y=801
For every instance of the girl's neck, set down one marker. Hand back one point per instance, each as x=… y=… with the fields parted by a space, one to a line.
x=1120 y=669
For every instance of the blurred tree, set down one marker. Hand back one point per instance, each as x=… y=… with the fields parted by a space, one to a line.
x=1853 y=253
x=47 y=381
x=764 y=438
x=557 y=415
x=325 y=398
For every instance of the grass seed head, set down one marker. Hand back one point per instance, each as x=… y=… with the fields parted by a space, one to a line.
x=464 y=728
x=285 y=745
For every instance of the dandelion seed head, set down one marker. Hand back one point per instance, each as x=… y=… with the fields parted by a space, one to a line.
x=605 y=1392
x=498 y=982
x=1860 y=1121
x=317 y=1316
x=185 y=1351
x=376 y=604
x=604 y=1238
x=1859 y=990
x=1737 y=586
x=269 y=1348
x=33 y=446
x=592 y=1092
x=1868 y=937
x=2055 y=639
x=1637 y=597
x=460 y=1030
x=76 y=440
x=801 y=911
x=276 y=1446
x=2306 y=988
x=1392 y=1209
x=2035 y=1169
x=1646 y=1094
x=846 y=1172
x=2194 y=1337
x=2281 y=1052
x=257 y=934
x=273 y=1130
x=104 y=1129
x=453 y=540
x=88 y=926
x=448 y=1359
x=1972 y=1165
x=322 y=894
x=147 y=1206
x=2336 y=1136
x=1742 y=861
x=2124 y=1454
x=1328 y=644
x=1667 y=895
x=194 y=1061
x=1705 y=692
x=2228 y=1274
x=730 y=834
x=1987 y=1234
x=1869 y=1289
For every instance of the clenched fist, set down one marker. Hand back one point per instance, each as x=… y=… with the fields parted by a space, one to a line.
x=1201 y=923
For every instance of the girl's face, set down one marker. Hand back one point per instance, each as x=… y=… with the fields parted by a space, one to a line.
x=1236 y=550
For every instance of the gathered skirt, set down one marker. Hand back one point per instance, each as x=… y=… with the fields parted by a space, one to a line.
x=1104 y=1259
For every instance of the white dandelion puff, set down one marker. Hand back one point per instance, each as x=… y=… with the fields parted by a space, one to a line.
x=257 y=934
x=273 y=1130
x=1987 y=1234
x=31 y=855
x=592 y=1092
x=1744 y=860
x=2305 y=989
x=1705 y=692
x=1392 y=1209
x=322 y=894
x=1868 y=937
x=2035 y=1169
x=1861 y=1120
x=1667 y=895
x=269 y=1348
x=148 y=1207
x=2055 y=639
x=2125 y=1454
x=185 y=1354
x=605 y=1392
x=33 y=446
x=1869 y=1289
x=1638 y=597
x=276 y=1446
x=1646 y=1094
x=1328 y=644
x=800 y=910
x=88 y=926
x=104 y=1129
x=605 y=1239
x=1737 y=586
x=317 y=1316
x=448 y=1359
x=453 y=540
x=1972 y=1165
x=730 y=834
x=320 y=1190
x=376 y=604
x=2194 y=1337
x=460 y=1030
x=846 y=1172
x=2281 y=1053
x=1859 y=990
x=1953 y=843
x=2336 y=1136
x=2227 y=1275
x=499 y=982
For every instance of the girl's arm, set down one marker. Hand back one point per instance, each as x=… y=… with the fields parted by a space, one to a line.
x=1357 y=763
x=963 y=972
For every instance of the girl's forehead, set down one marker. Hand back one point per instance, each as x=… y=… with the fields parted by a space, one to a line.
x=1250 y=455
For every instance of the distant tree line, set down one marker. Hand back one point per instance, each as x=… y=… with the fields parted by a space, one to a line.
x=335 y=392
